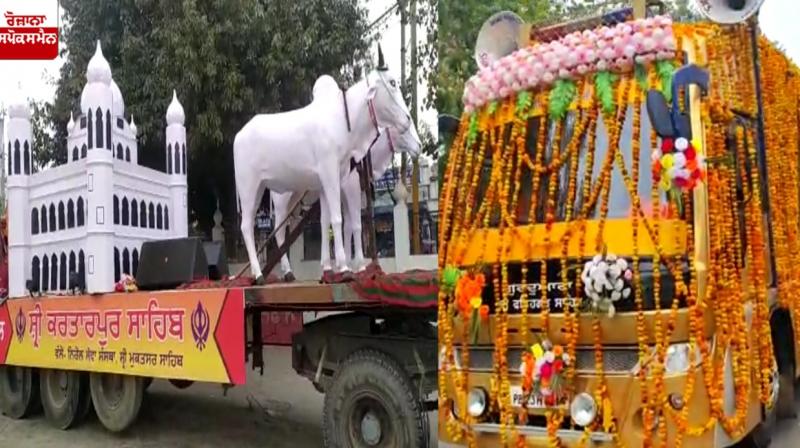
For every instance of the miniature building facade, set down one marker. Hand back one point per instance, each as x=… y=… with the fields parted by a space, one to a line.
x=91 y=215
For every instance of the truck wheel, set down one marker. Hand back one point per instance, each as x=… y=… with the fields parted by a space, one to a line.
x=85 y=405
x=371 y=403
x=64 y=396
x=19 y=391
x=117 y=399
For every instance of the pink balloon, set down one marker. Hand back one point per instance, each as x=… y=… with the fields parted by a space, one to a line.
x=629 y=51
x=670 y=44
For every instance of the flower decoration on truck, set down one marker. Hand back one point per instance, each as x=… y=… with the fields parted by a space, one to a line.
x=543 y=370
x=126 y=284
x=606 y=280
x=677 y=166
x=467 y=290
x=603 y=50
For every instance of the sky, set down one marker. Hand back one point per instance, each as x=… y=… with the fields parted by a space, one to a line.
x=37 y=77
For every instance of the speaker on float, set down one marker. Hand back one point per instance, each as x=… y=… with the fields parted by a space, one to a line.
x=217 y=261
x=165 y=264
x=728 y=11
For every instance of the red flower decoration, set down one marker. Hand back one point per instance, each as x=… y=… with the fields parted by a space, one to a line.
x=558 y=365
x=546 y=371
x=690 y=153
x=667 y=145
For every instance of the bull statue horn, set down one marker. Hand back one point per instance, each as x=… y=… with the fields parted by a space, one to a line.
x=381 y=61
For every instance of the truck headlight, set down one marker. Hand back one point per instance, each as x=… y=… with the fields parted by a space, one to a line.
x=583 y=409
x=476 y=402
x=679 y=358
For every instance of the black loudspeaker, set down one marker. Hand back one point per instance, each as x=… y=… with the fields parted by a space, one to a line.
x=217 y=261
x=165 y=264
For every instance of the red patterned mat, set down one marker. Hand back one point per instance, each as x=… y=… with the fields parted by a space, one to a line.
x=415 y=289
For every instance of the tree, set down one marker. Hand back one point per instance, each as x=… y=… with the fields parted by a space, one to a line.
x=227 y=59
x=44 y=150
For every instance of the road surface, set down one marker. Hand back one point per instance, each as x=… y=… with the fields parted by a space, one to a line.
x=278 y=410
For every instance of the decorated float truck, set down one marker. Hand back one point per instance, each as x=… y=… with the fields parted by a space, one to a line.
x=619 y=240
x=180 y=317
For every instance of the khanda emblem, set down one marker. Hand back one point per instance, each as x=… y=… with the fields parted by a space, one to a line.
x=20 y=325
x=201 y=324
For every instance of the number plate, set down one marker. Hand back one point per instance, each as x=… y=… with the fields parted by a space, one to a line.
x=535 y=401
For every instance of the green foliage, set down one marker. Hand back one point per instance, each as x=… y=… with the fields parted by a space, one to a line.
x=458 y=27
x=561 y=97
x=604 y=90
x=45 y=150
x=227 y=59
x=665 y=71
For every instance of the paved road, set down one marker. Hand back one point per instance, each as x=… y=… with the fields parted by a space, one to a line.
x=278 y=410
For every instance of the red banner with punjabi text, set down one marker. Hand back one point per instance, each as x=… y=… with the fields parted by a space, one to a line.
x=191 y=335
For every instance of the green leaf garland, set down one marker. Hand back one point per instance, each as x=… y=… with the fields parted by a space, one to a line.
x=561 y=97
x=640 y=71
x=472 y=131
x=604 y=88
x=524 y=101
x=665 y=71
x=450 y=277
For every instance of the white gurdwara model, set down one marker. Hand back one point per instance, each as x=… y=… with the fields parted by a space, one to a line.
x=91 y=215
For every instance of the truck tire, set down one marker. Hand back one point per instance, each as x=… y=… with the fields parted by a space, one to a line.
x=371 y=403
x=85 y=405
x=117 y=399
x=64 y=395
x=19 y=391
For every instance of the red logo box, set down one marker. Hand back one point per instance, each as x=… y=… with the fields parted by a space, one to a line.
x=28 y=29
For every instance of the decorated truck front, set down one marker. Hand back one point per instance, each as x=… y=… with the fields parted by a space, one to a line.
x=603 y=246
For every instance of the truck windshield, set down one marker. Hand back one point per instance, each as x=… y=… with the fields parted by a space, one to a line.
x=619 y=201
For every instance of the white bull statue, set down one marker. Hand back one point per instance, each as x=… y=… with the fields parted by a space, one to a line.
x=381 y=155
x=304 y=149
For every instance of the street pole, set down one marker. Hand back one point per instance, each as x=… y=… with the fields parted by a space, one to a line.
x=415 y=233
x=403 y=81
